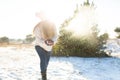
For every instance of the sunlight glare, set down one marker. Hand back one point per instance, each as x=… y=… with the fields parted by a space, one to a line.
x=82 y=23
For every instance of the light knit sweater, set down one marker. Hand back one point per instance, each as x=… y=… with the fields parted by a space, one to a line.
x=39 y=40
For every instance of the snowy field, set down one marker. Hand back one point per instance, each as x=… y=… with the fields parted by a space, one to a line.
x=23 y=64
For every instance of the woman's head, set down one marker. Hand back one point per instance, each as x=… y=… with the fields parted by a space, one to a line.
x=47 y=29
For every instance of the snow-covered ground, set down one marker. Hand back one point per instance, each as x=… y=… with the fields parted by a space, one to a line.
x=23 y=64
x=113 y=46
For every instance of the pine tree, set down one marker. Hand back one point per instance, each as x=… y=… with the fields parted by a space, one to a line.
x=85 y=46
x=117 y=30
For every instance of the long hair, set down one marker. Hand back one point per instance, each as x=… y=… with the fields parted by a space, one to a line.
x=47 y=29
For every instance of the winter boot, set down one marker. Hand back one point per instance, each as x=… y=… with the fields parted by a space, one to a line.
x=44 y=76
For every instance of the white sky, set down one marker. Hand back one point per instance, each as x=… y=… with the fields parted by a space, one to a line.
x=17 y=17
x=108 y=15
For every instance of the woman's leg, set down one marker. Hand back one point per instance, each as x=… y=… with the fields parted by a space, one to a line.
x=44 y=60
x=48 y=57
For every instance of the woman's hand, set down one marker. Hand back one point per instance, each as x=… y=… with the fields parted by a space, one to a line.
x=49 y=42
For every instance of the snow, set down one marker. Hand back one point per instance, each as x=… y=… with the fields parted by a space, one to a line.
x=113 y=46
x=23 y=64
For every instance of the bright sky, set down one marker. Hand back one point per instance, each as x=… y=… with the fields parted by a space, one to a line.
x=108 y=15
x=17 y=17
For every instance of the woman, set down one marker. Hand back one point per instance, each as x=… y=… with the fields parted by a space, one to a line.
x=45 y=36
